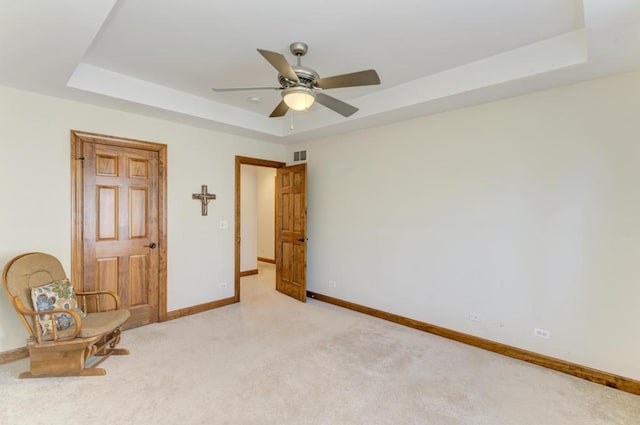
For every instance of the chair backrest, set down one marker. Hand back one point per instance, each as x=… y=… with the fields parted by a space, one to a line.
x=28 y=271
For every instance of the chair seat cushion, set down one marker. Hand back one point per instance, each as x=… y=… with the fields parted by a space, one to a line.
x=94 y=324
x=100 y=323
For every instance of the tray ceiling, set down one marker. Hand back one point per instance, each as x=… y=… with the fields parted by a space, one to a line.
x=161 y=57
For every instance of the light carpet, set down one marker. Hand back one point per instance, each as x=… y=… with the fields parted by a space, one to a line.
x=273 y=360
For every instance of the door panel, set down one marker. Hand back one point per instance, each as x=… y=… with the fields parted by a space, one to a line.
x=120 y=222
x=291 y=231
x=138 y=280
x=107 y=212
x=138 y=214
x=107 y=279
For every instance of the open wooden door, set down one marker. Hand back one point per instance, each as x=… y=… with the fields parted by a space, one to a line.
x=291 y=231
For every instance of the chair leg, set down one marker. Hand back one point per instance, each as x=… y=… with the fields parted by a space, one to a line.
x=107 y=345
x=72 y=358
x=66 y=359
x=93 y=371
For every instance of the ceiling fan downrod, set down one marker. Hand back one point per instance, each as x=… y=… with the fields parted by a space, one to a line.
x=299 y=49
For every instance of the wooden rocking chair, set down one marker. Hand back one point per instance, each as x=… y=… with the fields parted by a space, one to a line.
x=64 y=352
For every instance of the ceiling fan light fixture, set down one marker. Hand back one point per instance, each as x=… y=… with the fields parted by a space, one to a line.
x=298 y=98
x=300 y=86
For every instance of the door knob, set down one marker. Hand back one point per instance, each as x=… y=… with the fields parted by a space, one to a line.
x=152 y=245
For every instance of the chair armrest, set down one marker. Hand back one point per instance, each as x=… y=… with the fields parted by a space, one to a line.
x=97 y=295
x=22 y=309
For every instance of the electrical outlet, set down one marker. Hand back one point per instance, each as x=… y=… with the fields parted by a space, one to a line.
x=332 y=283
x=474 y=317
x=542 y=333
x=223 y=285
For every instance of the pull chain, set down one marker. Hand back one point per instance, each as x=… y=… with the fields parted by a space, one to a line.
x=291 y=126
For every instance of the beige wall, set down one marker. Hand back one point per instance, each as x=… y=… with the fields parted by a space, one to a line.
x=257 y=211
x=524 y=212
x=266 y=211
x=35 y=187
x=248 y=218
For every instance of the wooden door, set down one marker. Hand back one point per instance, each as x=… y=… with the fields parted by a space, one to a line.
x=291 y=231
x=120 y=227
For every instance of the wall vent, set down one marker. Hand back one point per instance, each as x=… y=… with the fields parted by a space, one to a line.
x=300 y=156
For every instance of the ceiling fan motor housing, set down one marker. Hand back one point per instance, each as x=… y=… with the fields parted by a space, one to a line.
x=307 y=77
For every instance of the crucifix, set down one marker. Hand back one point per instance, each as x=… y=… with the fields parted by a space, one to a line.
x=204 y=197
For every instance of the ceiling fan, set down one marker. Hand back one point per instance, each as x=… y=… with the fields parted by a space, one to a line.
x=301 y=86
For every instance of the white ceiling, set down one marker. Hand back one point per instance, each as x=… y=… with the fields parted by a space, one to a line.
x=162 y=57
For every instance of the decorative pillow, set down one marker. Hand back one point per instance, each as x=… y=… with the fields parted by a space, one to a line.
x=55 y=295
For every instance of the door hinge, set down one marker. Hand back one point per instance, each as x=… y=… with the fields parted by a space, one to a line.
x=81 y=159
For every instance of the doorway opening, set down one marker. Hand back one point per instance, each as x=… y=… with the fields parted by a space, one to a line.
x=257 y=218
x=251 y=172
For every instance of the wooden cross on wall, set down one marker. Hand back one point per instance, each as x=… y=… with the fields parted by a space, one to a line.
x=204 y=197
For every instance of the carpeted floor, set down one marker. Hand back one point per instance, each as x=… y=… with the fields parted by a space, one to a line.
x=272 y=360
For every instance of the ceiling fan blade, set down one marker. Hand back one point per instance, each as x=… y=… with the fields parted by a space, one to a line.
x=361 y=78
x=280 y=63
x=280 y=110
x=334 y=104
x=245 y=89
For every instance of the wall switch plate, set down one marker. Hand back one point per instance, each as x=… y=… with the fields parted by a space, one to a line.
x=332 y=283
x=224 y=224
x=223 y=285
x=474 y=317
